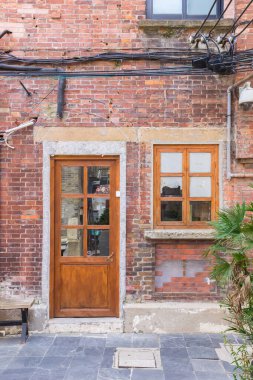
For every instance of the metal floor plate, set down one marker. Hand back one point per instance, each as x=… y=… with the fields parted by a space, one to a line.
x=137 y=358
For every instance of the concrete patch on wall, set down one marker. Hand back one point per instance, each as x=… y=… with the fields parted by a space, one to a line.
x=174 y=317
x=81 y=148
x=133 y=134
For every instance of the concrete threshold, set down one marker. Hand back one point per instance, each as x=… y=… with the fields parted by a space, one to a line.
x=84 y=325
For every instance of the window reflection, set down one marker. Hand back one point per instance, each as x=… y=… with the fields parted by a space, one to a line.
x=171 y=187
x=98 y=243
x=196 y=7
x=98 y=180
x=200 y=162
x=72 y=179
x=200 y=211
x=171 y=211
x=98 y=211
x=171 y=162
x=72 y=242
x=200 y=187
x=72 y=211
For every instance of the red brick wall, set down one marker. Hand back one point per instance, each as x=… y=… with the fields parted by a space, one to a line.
x=55 y=29
x=21 y=216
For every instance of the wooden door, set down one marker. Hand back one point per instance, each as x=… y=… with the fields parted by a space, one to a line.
x=85 y=237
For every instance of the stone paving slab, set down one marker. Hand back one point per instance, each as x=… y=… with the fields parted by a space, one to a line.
x=90 y=357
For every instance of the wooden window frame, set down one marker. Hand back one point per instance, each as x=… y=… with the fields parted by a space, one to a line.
x=186 y=175
x=183 y=15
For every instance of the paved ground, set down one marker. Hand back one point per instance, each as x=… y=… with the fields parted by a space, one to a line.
x=90 y=357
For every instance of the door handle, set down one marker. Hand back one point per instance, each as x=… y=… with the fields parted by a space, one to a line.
x=109 y=259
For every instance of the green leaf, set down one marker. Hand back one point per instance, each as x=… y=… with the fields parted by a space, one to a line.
x=222 y=271
x=229 y=221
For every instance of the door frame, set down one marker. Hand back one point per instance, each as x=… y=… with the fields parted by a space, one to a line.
x=53 y=245
x=99 y=149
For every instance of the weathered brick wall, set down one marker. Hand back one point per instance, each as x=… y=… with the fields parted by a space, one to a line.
x=50 y=28
x=243 y=120
x=21 y=216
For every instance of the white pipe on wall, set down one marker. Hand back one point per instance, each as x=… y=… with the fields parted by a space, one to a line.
x=231 y=175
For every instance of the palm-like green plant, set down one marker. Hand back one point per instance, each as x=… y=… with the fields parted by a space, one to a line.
x=232 y=253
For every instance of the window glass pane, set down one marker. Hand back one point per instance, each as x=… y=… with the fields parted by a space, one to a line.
x=200 y=187
x=200 y=211
x=72 y=242
x=72 y=179
x=98 y=180
x=199 y=8
x=171 y=211
x=98 y=211
x=98 y=243
x=171 y=186
x=171 y=162
x=200 y=162
x=72 y=211
x=167 y=6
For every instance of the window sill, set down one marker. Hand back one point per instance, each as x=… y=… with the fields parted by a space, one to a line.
x=177 y=234
x=170 y=25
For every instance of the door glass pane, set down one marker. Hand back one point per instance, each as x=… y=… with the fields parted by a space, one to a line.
x=72 y=242
x=98 y=243
x=200 y=187
x=98 y=180
x=171 y=162
x=171 y=186
x=196 y=7
x=200 y=211
x=167 y=6
x=72 y=211
x=200 y=162
x=98 y=211
x=171 y=211
x=72 y=179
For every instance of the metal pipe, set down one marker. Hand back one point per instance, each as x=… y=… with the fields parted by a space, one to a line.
x=229 y=128
x=23 y=125
x=6 y=134
x=60 y=97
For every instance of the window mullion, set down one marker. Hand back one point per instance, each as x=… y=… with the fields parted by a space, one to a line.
x=184 y=9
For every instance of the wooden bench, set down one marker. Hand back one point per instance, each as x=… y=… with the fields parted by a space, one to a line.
x=17 y=304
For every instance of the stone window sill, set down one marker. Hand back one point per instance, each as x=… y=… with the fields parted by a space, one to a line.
x=170 y=25
x=177 y=234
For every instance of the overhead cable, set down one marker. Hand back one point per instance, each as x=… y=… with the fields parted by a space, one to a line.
x=205 y=20
x=233 y=27
x=222 y=14
x=246 y=26
x=175 y=55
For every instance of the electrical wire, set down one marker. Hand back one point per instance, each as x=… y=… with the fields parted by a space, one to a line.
x=184 y=62
x=205 y=20
x=181 y=70
x=222 y=14
x=246 y=26
x=238 y=18
x=36 y=105
x=175 y=55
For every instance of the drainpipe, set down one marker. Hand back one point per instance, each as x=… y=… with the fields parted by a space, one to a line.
x=231 y=175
